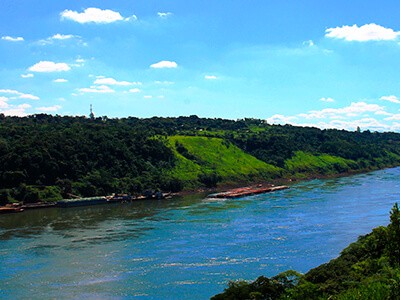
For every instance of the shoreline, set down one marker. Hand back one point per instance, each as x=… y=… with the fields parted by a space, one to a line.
x=223 y=187
x=274 y=182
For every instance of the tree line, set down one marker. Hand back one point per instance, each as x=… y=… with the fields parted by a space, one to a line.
x=51 y=157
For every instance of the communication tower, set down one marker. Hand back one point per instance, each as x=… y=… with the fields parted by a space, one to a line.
x=91 y=115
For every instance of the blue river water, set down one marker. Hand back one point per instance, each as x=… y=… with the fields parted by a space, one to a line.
x=189 y=247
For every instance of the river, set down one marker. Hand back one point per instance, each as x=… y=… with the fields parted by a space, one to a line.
x=189 y=247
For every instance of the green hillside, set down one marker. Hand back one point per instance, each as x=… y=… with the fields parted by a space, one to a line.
x=306 y=163
x=200 y=157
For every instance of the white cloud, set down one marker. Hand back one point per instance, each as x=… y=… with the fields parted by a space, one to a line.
x=60 y=80
x=355 y=109
x=29 y=96
x=8 y=91
x=30 y=75
x=368 y=32
x=164 y=64
x=111 y=81
x=395 y=117
x=391 y=98
x=210 y=77
x=280 y=119
x=135 y=90
x=19 y=111
x=3 y=102
x=323 y=99
x=95 y=15
x=24 y=106
x=164 y=14
x=12 y=39
x=80 y=60
x=48 y=108
x=97 y=89
x=49 y=66
x=165 y=82
x=59 y=36
x=19 y=94
x=147 y=97
x=308 y=43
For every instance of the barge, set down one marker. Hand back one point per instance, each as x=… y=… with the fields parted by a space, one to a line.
x=10 y=209
x=82 y=201
x=247 y=191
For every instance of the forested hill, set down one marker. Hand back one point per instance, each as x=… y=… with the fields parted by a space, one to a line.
x=44 y=157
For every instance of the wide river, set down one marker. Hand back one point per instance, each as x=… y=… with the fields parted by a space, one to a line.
x=190 y=247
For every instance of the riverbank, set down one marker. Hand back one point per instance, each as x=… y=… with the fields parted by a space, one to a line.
x=289 y=181
x=203 y=191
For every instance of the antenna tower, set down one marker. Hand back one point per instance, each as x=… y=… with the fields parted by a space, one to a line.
x=91 y=112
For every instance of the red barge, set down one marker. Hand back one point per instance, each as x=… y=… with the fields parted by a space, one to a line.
x=247 y=191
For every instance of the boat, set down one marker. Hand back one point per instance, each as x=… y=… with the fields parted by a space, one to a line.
x=247 y=191
x=10 y=209
x=82 y=201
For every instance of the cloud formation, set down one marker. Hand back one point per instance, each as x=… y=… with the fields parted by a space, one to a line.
x=329 y=99
x=210 y=77
x=12 y=39
x=16 y=110
x=48 y=108
x=112 y=81
x=18 y=95
x=49 y=66
x=29 y=96
x=368 y=32
x=60 y=80
x=164 y=14
x=391 y=98
x=59 y=36
x=3 y=102
x=355 y=109
x=101 y=89
x=164 y=64
x=94 y=15
x=29 y=75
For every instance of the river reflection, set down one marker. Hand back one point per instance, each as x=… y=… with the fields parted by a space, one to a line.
x=187 y=247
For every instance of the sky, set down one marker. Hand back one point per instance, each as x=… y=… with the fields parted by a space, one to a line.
x=328 y=64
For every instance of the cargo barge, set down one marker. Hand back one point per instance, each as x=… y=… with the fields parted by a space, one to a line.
x=10 y=209
x=247 y=191
x=82 y=201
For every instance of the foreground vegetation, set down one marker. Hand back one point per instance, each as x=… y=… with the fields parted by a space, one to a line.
x=47 y=158
x=367 y=269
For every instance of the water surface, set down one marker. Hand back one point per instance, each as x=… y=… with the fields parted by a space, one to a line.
x=187 y=248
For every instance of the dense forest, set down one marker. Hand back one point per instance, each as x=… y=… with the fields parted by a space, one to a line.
x=366 y=269
x=47 y=158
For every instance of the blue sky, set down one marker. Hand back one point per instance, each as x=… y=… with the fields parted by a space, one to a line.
x=330 y=64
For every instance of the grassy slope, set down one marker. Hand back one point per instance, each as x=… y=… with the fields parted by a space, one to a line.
x=307 y=163
x=216 y=155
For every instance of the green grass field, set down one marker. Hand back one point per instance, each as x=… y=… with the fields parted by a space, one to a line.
x=205 y=155
x=307 y=163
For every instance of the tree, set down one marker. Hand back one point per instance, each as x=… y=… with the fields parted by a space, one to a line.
x=394 y=236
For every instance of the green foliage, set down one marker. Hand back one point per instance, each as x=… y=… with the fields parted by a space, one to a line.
x=262 y=288
x=394 y=237
x=308 y=163
x=210 y=180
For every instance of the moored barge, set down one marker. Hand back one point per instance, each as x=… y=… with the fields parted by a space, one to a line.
x=247 y=191
x=82 y=201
